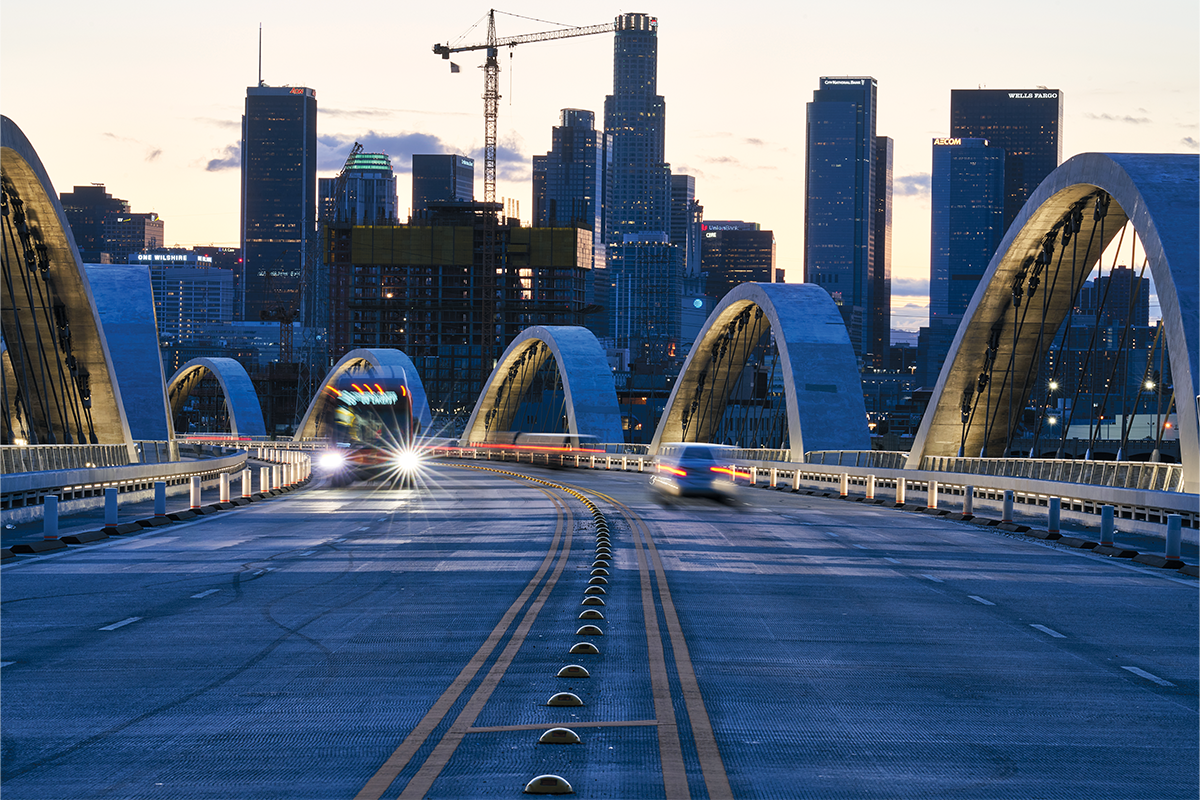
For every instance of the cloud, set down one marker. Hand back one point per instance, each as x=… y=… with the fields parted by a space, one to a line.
x=332 y=149
x=1115 y=118
x=720 y=160
x=1190 y=143
x=152 y=153
x=220 y=123
x=912 y=185
x=229 y=158
x=755 y=142
x=910 y=287
x=384 y=113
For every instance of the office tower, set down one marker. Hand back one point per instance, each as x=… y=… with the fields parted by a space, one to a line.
x=363 y=194
x=734 y=252
x=1115 y=299
x=881 y=256
x=279 y=198
x=639 y=192
x=968 y=202
x=1025 y=123
x=127 y=233
x=445 y=177
x=646 y=276
x=571 y=175
x=842 y=203
x=86 y=208
x=687 y=215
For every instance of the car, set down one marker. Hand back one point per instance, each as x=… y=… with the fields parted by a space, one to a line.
x=692 y=470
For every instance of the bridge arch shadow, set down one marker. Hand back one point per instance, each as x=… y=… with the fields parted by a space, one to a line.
x=357 y=361
x=1072 y=216
x=590 y=395
x=822 y=390
x=241 y=399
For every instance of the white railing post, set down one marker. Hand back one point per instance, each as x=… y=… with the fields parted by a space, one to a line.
x=247 y=489
x=931 y=500
x=968 y=501
x=774 y=477
x=754 y=476
x=195 y=492
x=264 y=479
x=1107 y=525
x=844 y=484
x=870 y=487
x=224 y=487
x=796 y=479
x=900 y=486
x=1053 y=523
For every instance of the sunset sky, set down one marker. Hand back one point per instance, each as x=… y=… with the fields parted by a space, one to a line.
x=147 y=98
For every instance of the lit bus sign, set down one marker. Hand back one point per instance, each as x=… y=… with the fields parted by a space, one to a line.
x=368 y=398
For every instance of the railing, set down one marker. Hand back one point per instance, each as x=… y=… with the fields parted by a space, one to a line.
x=879 y=459
x=15 y=459
x=1153 y=475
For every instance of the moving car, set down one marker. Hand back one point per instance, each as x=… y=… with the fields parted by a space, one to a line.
x=692 y=470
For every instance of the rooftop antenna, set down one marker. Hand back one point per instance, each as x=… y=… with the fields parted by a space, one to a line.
x=260 y=80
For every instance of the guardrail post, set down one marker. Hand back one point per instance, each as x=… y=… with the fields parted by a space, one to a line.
x=608 y=462
x=1053 y=524
x=774 y=477
x=195 y=492
x=968 y=501
x=1174 y=535
x=796 y=479
x=641 y=464
x=264 y=479
x=591 y=462
x=900 y=487
x=247 y=489
x=754 y=476
x=624 y=463
x=1008 y=506
x=110 y=507
x=1107 y=525
x=870 y=487
x=844 y=484
x=160 y=498
x=224 y=487
x=931 y=499
x=277 y=476
x=50 y=517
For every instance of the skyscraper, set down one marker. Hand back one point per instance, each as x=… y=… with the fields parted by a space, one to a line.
x=736 y=252
x=366 y=194
x=445 y=177
x=1026 y=123
x=843 y=202
x=571 y=175
x=967 y=220
x=86 y=208
x=881 y=256
x=639 y=193
x=687 y=215
x=279 y=197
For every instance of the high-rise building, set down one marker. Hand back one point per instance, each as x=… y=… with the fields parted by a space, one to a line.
x=639 y=190
x=645 y=300
x=843 y=200
x=967 y=220
x=881 y=256
x=279 y=197
x=687 y=215
x=1025 y=123
x=86 y=208
x=733 y=252
x=127 y=233
x=441 y=178
x=364 y=193
x=569 y=180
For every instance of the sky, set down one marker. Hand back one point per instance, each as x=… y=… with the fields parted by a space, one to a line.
x=147 y=99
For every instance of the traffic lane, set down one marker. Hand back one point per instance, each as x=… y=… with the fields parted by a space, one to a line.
x=824 y=664
x=345 y=646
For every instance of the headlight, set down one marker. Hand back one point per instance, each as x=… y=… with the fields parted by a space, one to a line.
x=408 y=460
x=331 y=461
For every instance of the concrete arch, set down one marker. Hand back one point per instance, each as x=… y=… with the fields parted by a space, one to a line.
x=59 y=272
x=364 y=358
x=591 y=395
x=245 y=413
x=1159 y=194
x=823 y=390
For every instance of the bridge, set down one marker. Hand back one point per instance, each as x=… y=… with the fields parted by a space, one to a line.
x=858 y=622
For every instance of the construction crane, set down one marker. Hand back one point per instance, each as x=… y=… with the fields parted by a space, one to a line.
x=491 y=81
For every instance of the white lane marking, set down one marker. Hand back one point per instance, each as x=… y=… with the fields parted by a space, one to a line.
x=120 y=624
x=935 y=580
x=894 y=561
x=1135 y=671
x=979 y=599
x=831 y=533
x=1050 y=631
x=363 y=528
x=335 y=541
x=4 y=664
x=205 y=594
x=306 y=553
x=262 y=572
x=862 y=547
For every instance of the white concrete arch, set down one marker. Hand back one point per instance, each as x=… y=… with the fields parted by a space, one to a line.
x=823 y=390
x=57 y=270
x=241 y=400
x=591 y=395
x=362 y=359
x=1159 y=194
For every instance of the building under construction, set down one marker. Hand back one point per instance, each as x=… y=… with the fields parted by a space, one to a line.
x=425 y=288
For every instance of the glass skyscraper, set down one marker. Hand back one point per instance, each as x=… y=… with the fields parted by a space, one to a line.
x=367 y=195
x=441 y=178
x=736 y=252
x=569 y=180
x=881 y=256
x=279 y=196
x=844 y=198
x=1026 y=123
x=968 y=201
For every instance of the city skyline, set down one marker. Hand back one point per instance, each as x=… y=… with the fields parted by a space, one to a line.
x=737 y=103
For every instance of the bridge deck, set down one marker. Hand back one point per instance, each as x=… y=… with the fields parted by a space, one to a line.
x=354 y=641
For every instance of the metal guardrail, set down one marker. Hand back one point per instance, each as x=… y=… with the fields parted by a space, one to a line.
x=880 y=459
x=16 y=459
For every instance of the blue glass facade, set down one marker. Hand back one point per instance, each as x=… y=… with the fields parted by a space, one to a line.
x=841 y=200
x=968 y=201
x=569 y=180
x=444 y=177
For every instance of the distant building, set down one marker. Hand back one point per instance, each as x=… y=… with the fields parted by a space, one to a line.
x=86 y=208
x=127 y=233
x=645 y=297
x=967 y=220
x=881 y=257
x=445 y=177
x=364 y=194
x=844 y=197
x=1115 y=300
x=734 y=252
x=279 y=197
x=639 y=190
x=687 y=215
x=1025 y=123
x=569 y=180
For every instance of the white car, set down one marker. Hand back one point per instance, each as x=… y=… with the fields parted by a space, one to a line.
x=693 y=470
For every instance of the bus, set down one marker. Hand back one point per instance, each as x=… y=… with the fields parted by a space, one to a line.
x=370 y=428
